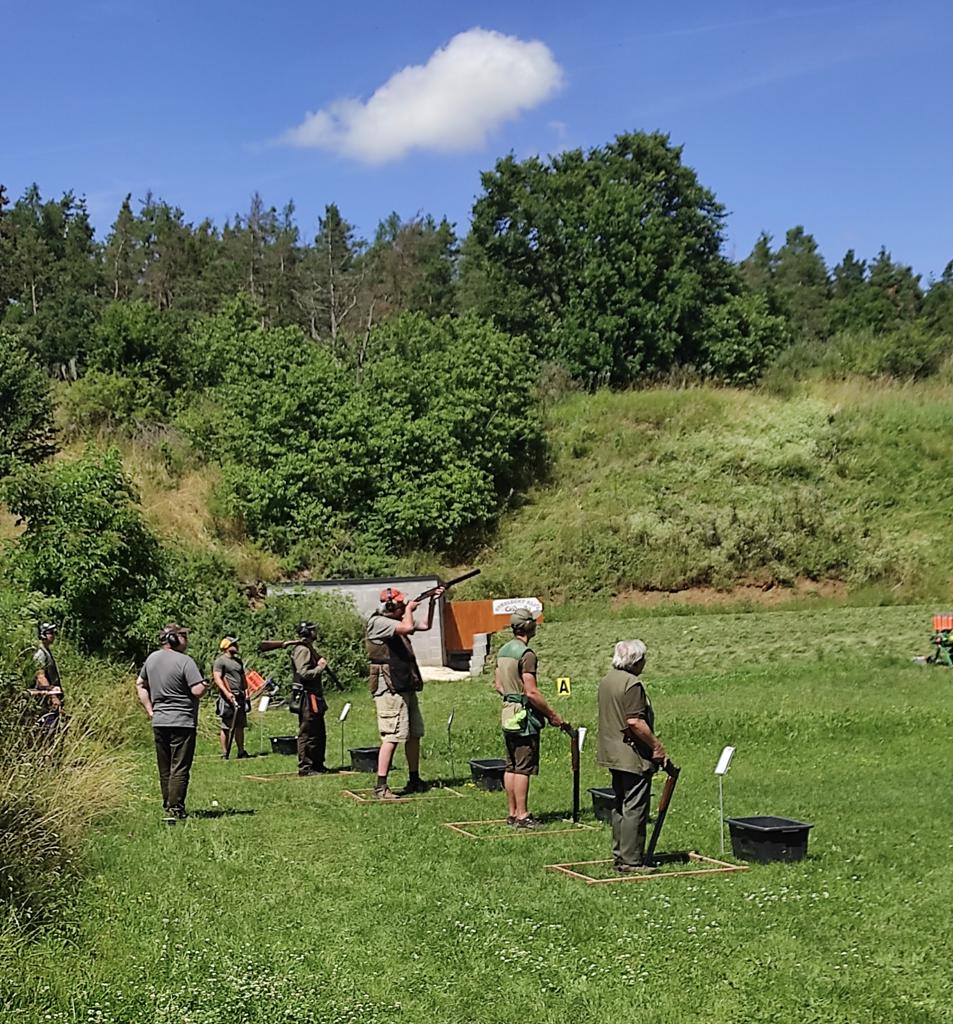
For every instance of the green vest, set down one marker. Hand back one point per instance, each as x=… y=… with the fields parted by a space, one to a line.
x=523 y=719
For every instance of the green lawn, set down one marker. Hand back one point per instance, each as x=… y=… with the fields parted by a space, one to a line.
x=309 y=907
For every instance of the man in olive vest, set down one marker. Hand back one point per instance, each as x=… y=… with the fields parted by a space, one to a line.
x=48 y=682
x=169 y=686
x=525 y=712
x=394 y=682
x=228 y=674
x=631 y=751
x=307 y=687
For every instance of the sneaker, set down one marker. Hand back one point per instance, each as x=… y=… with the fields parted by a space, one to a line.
x=243 y=755
x=385 y=793
x=511 y=819
x=528 y=822
x=635 y=869
x=306 y=773
x=417 y=786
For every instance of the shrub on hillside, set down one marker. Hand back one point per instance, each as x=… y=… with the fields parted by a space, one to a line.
x=108 y=401
x=26 y=426
x=86 y=544
x=739 y=338
x=424 y=444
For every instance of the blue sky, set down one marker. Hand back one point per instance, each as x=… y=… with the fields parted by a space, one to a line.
x=833 y=115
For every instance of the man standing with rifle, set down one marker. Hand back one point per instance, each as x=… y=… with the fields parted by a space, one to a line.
x=307 y=691
x=47 y=676
x=525 y=712
x=395 y=681
x=631 y=751
x=228 y=674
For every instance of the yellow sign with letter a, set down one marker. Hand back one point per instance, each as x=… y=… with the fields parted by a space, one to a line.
x=564 y=687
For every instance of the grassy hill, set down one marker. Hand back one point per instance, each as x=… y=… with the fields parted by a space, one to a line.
x=696 y=495
x=836 y=487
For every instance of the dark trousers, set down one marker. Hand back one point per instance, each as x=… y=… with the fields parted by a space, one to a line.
x=312 y=735
x=175 y=749
x=630 y=815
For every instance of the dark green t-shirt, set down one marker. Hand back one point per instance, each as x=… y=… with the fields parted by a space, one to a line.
x=169 y=677
x=621 y=697
x=232 y=671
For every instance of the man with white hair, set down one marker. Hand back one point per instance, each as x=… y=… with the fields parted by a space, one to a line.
x=631 y=751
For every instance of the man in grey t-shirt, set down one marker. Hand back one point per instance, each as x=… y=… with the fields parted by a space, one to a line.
x=169 y=687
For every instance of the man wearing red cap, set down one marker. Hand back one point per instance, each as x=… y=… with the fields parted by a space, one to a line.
x=394 y=682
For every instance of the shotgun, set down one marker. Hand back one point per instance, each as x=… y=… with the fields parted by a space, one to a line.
x=264 y=646
x=673 y=771
x=450 y=583
x=574 y=754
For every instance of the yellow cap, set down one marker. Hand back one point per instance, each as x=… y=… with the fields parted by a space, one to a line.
x=227 y=642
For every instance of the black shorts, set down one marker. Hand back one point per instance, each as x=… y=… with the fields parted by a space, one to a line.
x=239 y=713
x=522 y=754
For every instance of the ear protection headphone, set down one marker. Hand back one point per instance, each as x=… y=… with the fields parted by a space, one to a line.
x=307 y=630
x=390 y=605
x=171 y=637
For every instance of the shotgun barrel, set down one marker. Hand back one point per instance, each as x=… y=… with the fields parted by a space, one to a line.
x=450 y=583
x=673 y=771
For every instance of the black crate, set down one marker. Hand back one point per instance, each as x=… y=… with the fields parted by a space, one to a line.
x=603 y=800
x=487 y=773
x=766 y=838
x=364 y=759
x=284 y=744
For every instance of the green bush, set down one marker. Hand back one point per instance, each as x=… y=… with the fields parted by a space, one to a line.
x=86 y=544
x=739 y=339
x=109 y=401
x=423 y=445
x=26 y=426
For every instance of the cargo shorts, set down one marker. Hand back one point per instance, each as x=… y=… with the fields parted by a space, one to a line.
x=398 y=717
x=522 y=754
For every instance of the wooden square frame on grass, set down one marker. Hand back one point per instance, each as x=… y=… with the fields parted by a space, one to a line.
x=461 y=828
x=284 y=776
x=366 y=796
x=719 y=867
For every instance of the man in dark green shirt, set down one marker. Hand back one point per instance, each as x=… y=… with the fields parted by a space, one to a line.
x=48 y=682
x=631 y=751
x=525 y=712
x=228 y=674
x=307 y=667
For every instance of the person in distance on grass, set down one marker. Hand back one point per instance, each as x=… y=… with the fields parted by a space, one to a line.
x=48 y=678
x=631 y=751
x=525 y=712
x=395 y=681
x=169 y=686
x=307 y=667
x=228 y=674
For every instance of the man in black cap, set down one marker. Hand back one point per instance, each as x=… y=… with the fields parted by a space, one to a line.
x=169 y=686
x=48 y=682
x=307 y=688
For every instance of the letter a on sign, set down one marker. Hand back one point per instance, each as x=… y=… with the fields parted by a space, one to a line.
x=564 y=687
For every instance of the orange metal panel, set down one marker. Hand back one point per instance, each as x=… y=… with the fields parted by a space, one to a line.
x=464 y=618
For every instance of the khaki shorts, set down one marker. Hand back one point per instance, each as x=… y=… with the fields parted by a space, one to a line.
x=398 y=717
x=522 y=754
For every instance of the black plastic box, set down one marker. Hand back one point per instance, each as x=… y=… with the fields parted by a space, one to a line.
x=603 y=800
x=766 y=838
x=364 y=759
x=487 y=773
x=284 y=744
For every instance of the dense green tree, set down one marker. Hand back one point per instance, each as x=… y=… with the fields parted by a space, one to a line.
x=801 y=287
x=26 y=427
x=894 y=293
x=606 y=259
x=938 y=303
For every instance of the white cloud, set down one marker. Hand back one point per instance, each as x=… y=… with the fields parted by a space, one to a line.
x=468 y=88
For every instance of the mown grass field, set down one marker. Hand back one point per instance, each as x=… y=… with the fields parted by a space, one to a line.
x=303 y=906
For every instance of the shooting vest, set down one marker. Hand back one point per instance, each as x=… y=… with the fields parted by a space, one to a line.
x=518 y=717
x=393 y=663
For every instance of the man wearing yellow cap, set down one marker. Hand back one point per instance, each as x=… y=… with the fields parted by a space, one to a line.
x=229 y=675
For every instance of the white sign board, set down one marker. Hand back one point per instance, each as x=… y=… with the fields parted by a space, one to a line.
x=724 y=762
x=509 y=605
x=582 y=737
x=344 y=712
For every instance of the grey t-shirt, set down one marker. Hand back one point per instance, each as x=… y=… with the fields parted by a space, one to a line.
x=169 y=677
x=232 y=671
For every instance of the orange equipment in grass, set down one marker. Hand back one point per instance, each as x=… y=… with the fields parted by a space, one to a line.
x=942 y=640
x=254 y=683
